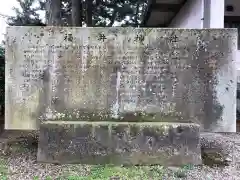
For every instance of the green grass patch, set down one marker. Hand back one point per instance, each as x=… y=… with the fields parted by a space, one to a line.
x=3 y=169
x=81 y=172
x=127 y=173
x=117 y=172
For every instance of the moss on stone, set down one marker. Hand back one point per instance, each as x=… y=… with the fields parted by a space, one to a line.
x=85 y=115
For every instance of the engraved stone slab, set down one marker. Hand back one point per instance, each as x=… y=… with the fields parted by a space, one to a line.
x=121 y=74
x=169 y=144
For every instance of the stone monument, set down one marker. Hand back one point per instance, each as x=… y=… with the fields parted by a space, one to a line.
x=120 y=95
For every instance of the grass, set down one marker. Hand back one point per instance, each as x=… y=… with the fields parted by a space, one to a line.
x=114 y=172
x=81 y=172
x=75 y=172
x=123 y=173
x=3 y=169
x=109 y=173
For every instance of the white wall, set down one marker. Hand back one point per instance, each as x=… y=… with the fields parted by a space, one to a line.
x=216 y=13
x=190 y=16
x=201 y=14
x=236 y=12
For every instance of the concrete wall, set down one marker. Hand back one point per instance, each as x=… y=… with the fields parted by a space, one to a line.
x=190 y=16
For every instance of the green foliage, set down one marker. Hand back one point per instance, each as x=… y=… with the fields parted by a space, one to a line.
x=122 y=12
x=105 y=12
x=26 y=15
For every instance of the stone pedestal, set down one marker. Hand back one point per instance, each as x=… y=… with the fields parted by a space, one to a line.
x=170 y=144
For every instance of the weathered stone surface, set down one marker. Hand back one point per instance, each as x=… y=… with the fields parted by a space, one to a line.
x=121 y=74
x=119 y=143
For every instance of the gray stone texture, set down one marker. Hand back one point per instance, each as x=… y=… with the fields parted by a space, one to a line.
x=121 y=74
x=169 y=144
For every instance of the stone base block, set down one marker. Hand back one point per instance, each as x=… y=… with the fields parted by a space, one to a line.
x=119 y=143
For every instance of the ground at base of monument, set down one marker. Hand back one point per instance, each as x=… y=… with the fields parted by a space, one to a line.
x=168 y=144
x=21 y=163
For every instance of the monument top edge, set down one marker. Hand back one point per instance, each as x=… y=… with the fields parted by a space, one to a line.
x=66 y=27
